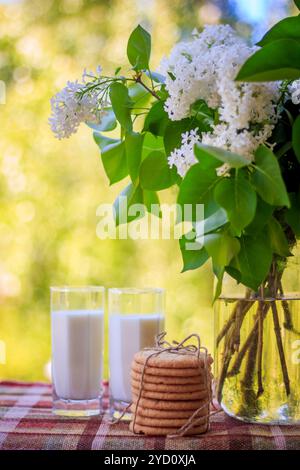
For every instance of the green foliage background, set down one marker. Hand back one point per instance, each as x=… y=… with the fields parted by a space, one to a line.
x=50 y=190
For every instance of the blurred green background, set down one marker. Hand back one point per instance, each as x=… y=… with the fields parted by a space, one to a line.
x=50 y=189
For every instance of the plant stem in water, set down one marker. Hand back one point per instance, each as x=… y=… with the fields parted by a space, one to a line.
x=288 y=319
x=277 y=331
x=250 y=363
x=250 y=338
x=260 y=389
x=240 y=305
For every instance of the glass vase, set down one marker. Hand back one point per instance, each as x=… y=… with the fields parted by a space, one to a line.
x=257 y=355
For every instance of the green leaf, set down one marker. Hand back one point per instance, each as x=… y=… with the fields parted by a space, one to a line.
x=233 y=159
x=233 y=272
x=139 y=48
x=114 y=161
x=262 y=216
x=206 y=160
x=209 y=223
x=211 y=207
x=134 y=146
x=157 y=119
x=267 y=178
x=150 y=198
x=278 y=239
x=288 y=28
x=219 y=273
x=171 y=75
x=254 y=260
x=162 y=93
x=129 y=196
x=238 y=198
x=139 y=96
x=151 y=143
x=221 y=247
x=192 y=259
x=102 y=141
x=283 y=150
x=135 y=195
x=155 y=173
x=196 y=187
x=278 y=60
x=108 y=122
x=297 y=3
x=214 y=221
x=121 y=104
x=296 y=137
x=203 y=116
x=174 y=131
x=292 y=215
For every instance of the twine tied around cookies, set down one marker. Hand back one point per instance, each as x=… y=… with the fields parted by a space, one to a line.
x=162 y=346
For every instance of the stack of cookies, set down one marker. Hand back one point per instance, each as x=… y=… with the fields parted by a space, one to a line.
x=167 y=389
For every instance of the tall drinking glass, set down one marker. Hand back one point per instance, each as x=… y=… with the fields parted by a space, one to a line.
x=136 y=316
x=77 y=324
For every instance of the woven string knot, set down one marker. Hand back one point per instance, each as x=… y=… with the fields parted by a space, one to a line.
x=175 y=346
x=162 y=346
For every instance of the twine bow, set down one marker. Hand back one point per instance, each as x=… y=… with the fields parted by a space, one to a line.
x=162 y=346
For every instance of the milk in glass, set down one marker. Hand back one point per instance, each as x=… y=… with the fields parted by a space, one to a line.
x=136 y=316
x=77 y=350
x=77 y=326
x=129 y=334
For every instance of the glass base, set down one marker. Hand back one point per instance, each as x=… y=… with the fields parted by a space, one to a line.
x=262 y=419
x=77 y=408
x=117 y=410
x=252 y=386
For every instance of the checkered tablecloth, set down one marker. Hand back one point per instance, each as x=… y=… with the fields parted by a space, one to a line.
x=26 y=422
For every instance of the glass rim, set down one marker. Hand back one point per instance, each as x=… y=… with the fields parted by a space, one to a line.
x=136 y=290
x=77 y=288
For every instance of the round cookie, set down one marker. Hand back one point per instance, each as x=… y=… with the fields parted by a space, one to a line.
x=154 y=431
x=167 y=422
x=169 y=388
x=168 y=380
x=168 y=404
x=167 y=414
x=171 y=360
x=150 y=413
x=185 y=396
x=165 y=372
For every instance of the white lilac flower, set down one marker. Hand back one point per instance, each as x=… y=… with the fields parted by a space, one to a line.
x=205 y=68
x=70 y=107
x=183 y=158
x=193 y=65
x=89 y=76
x=294 y=90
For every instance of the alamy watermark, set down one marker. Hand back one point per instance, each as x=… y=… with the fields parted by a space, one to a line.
x=157 y=222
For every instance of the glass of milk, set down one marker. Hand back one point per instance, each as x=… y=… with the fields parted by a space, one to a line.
x=77 y=327
x=136 y=316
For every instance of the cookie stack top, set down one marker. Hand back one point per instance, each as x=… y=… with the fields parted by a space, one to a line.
x=168 y=387
x=171 y=360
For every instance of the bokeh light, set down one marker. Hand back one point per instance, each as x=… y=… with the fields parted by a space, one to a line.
x=50 y=190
